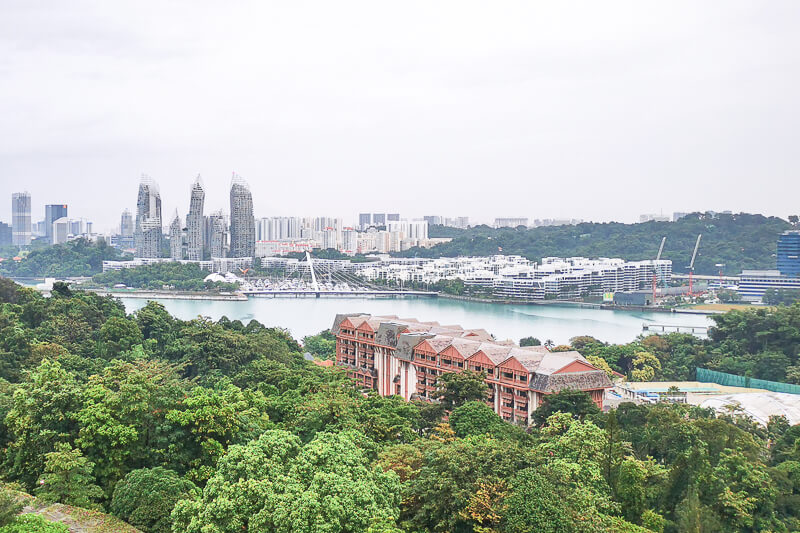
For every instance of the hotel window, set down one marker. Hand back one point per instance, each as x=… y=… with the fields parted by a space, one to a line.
x=509 y=375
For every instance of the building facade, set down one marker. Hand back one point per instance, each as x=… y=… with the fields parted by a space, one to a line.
x=217 y=232
x=126 y=227
x=148 y=231
x=753 y=284
x=176 y=238
x=5 y=234
x=406 y=358
x=510 y=222
x=61 y=231
x=789 y=253
x=21 y=231
x=243 y=223
x=195 y=222
x=53 y=212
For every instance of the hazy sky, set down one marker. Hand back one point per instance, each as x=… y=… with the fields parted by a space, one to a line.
x=596 y=110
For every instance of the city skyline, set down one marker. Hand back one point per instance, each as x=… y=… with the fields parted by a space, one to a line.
x=352 y=218
x=668 y=108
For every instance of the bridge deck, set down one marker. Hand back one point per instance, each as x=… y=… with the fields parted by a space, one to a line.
x=675 y=328
x=336 y=293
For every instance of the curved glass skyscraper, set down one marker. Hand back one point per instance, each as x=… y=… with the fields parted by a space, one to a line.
x=195 y=222
x=148 y=232
x=243 y=223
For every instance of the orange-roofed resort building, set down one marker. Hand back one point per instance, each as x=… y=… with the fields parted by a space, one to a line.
x=405 y=357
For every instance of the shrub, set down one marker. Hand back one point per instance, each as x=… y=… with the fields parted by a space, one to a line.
x=145 y=498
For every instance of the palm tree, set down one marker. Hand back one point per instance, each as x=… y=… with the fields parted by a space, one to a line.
x=549 y=343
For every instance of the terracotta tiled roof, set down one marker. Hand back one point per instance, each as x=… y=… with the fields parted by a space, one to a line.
x=466 y=347
x=537 y=360
x=439 y=342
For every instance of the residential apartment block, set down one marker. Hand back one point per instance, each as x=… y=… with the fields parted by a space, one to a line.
x=512 y=276
x=406 y=357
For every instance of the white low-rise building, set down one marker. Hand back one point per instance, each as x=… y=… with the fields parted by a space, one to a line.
x=511 y=276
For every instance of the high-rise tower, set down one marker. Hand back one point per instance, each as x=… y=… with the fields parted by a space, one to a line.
x=789 y=253
x=126 y=224
x=217 y=232
x=243 y=224
x=176 y=238
x=148 y=233
x=21 y=219
x=53 y=212
x=195 y=221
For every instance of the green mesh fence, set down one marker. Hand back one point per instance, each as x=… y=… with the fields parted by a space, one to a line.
x=732 y=380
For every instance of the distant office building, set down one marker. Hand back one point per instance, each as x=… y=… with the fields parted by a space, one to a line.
x=556 y=222
x=326 y=223
x=409 y=229
x=217 y=232
x=349 y=241
x=5 y=234
x=38 y=229
x=21 y=231
x=176 y=238
x=379 y=219
x=392 y=217
x=126 y=227
x=754 y=283
x=789 y=253
x=194 y=222
x=650 y=217
x=148 y=231
x=60 y=230
x=434 y=220
x=243 y=224
x=457 y=222
x=512 y=222
x=329 y=239
x=364 y=220
x=279 y=228
x=80 y=227
x=53 y=212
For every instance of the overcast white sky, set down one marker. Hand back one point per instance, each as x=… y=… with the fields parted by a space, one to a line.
x=594 y=110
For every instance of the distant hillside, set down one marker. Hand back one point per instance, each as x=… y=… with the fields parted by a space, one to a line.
x=739 y=241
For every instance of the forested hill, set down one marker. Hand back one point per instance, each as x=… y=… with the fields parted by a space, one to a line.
x=739 y=241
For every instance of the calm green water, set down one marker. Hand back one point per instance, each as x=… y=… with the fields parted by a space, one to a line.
x=305 y=316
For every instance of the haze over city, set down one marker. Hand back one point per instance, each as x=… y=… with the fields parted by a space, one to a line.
x=534 y=110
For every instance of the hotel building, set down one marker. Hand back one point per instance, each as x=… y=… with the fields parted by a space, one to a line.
x=406 y=357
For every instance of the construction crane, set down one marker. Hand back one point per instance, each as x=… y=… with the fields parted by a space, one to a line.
x=655 y=271
x=691 y=265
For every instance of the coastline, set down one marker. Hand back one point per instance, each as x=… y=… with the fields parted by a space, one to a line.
x=169 y=295
x=580 y=305
x=189 y=295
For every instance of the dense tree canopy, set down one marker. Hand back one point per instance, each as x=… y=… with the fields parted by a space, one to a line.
x=199 y=426
x=180 y=276
x=75 y=258
x=739 y=241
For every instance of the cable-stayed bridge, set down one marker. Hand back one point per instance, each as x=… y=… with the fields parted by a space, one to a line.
x=316 y=283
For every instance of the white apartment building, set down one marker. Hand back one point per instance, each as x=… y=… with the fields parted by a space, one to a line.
x=216 y=264
x=510 y=222
x=516 y=277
